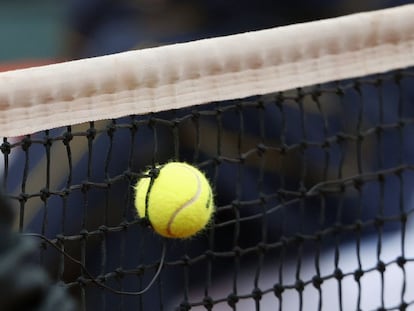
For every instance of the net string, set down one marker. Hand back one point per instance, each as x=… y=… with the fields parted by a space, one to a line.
x=99 y=281
x=331 y=184
x=187 y=74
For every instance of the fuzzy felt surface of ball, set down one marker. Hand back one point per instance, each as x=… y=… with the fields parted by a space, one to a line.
x=176 y=199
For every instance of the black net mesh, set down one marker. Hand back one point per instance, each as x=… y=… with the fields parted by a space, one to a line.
x=313 y=195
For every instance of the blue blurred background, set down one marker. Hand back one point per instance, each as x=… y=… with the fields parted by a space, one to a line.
x=55 y=30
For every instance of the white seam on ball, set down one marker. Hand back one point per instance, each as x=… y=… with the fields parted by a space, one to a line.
x=186 y=204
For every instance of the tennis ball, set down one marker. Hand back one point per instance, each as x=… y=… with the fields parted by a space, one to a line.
x=177 y=200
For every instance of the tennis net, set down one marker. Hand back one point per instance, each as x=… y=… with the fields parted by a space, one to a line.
x=304 y=134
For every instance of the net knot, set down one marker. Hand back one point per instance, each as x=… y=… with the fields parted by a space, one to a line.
x=186 y=260
x=379 y=129
x=67 y=137
x=235 y=204
x=60 y=237
x=110 y=129
x=145 y=222
x=47 y=141
x=103 y=229
x=44 y=194
x=401 y=124
x=195 y=114
x=304 y=144
x=403 y=217
x=263 y=198
x=128 y=175
x=232 y=299
x=140 y=270
x=210 y=254
x=101 y=278
x=401 y=261
x=184 y=306
x=262 y=248
x=278 y=289
x=299 y=285
x=84 y=233
x=23 y=197
x=315 y=94
x=403 y=306
x=261 y=149
x=338 y=274
x=119 y=272
x=85 y=187
x=124 y=225
x=208 y=302
x=358 y=183
x=379 y=222
x=26 y=143
x=81 y=281
x=326 y=144
x=317 y=281
x=65 y=192
x=299 y=239
x=257 y=294
x=340 y=137
x=358 y=225
x=91 y=133
x=381 y=266
x=237 y=251
x=154 y=172
x=217 y=160
x=134 y=125
x=5 y=147
x=358 y=274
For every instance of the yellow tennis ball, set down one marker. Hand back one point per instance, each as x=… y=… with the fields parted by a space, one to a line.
x=178 y=202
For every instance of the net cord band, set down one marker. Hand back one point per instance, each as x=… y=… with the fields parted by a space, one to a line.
x=193 y=73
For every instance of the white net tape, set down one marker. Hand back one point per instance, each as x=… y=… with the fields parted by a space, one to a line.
x=204 y=71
